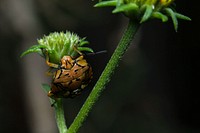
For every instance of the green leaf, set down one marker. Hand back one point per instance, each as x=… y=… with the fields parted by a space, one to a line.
x=34 y=49
x=171 y=13
x=128 y=8
x=147 y=13
x=106 y=3
x=159 y=15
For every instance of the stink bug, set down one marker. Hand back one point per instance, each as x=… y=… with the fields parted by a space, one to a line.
x=72 y=75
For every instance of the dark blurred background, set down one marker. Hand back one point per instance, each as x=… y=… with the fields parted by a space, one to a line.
x=154 y=89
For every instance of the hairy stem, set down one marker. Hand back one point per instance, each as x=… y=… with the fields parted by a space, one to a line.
x=60 y=117
x=105 y=76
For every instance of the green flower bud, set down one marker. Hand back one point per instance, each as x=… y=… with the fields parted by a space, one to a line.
x=143 y=10
x=59 y=44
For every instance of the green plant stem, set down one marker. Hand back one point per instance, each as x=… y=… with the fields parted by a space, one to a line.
x=60 y=117
x=105 y=76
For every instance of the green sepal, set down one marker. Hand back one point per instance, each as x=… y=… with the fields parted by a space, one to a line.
x=87 y=49
x=119 y=2
x=34 y=49
x=128 y=9
x=55 y=56
x=46 y=88
x=147 y=13
x=181 y=16
x=83 y=42
x=159 y=15
x=106 y=3
x=171 y=13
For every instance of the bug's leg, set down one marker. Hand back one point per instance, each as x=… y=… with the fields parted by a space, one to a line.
x=52 y=105
x=49 y=63
x=79 y=52
x=49 y=73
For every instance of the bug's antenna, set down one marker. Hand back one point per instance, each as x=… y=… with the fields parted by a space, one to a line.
x=99 y=52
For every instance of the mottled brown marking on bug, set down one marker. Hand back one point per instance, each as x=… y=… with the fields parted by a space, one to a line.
x=71 y=78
